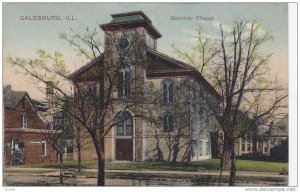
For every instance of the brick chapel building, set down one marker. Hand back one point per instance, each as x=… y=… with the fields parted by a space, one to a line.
x=186 y=121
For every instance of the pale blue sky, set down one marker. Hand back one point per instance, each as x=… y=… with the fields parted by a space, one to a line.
x=23 y=38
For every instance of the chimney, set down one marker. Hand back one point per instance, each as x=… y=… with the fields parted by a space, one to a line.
x=8 y=93
x=49 y=93
x=270 y=129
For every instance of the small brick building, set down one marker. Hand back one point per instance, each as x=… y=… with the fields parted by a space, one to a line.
x=26 y=137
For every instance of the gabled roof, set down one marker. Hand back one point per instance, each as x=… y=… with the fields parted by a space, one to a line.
x=171 y=67
x=279 y=129
x=174 y=67
x=39 y=106
x=86 y=67
x=12 y=98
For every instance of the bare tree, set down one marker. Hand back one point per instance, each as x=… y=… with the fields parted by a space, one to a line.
x=188 y=122
x=94 y=95
x=238 y=71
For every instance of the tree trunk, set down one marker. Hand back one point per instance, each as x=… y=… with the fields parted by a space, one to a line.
x=101 y=169
x=61 y=168
x=254 y=144
x=224 y=156
x=99 y=145
x=78 y=148
x=220 y=176
x=175 y=153
x=225 y=150
x=79 y=157
x=233 y=165
x=159 y=152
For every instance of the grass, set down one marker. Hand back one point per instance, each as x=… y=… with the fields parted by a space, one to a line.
x=166 y=176
x=68 y=164
x=206 y=165
x=28 y=172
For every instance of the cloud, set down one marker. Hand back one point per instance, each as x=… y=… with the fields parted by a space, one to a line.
x=217 y=23
x=260 y=31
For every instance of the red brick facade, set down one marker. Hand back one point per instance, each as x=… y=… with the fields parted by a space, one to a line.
x=25 y=139
x=32 y=152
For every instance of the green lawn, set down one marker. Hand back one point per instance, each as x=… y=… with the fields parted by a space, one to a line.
x=67 y=164
x=206 y=165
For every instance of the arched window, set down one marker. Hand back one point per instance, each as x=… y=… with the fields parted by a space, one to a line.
x=124 y=79
x=125 y=124
x=168 y=91
x=168 y=123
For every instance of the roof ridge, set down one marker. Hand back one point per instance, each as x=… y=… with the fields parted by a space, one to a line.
x=131 y=14
x=185 y=65
x=86 y=66
x=172 y=59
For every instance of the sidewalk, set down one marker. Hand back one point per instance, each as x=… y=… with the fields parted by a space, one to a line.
x=239 y=173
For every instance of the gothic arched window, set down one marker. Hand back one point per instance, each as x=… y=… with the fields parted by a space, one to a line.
x=125 y=125
x=168 y=91
x=124 y=79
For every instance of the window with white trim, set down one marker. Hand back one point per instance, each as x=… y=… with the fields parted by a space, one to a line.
x=124 y=79
x=168 y=91
x=24 y=120
x=168 y=123
x=243 y=143
x=207 y=148
x=92 y=91
x=200 y=147
x=125 y=125
x=44 y=148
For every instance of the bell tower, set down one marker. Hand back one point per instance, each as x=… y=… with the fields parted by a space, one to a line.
x=127 y=37
x=136 y=21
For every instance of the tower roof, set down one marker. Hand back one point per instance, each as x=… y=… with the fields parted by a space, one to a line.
x=130 y=15
x=131 y=20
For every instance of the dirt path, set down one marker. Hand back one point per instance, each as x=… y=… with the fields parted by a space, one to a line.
x=213 y=173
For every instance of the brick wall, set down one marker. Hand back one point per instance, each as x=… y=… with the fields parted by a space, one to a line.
x=32 y=152
x=32 y=147
x=12 y=117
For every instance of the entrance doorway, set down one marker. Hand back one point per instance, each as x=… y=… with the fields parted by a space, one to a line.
x=124 y=149
x=124 y=141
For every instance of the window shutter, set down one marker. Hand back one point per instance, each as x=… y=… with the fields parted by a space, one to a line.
x=165 y=89
x=170 y=92
x=127 y=83
x=120 y=84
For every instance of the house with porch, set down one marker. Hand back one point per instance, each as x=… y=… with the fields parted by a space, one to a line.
x=268 y=138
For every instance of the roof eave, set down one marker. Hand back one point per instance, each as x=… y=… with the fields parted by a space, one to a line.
x=147 y=25
x=73 y=75
x=194 y=72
